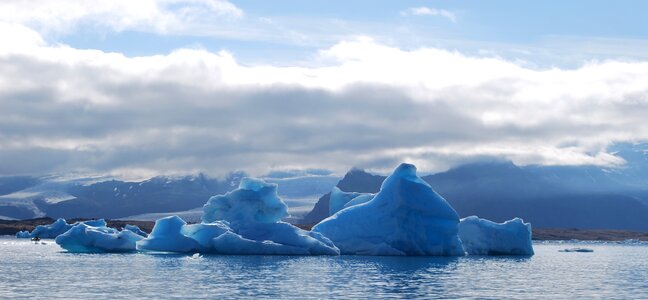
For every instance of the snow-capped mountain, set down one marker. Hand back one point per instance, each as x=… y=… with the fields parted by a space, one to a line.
x=546 y=196
x=24 y=197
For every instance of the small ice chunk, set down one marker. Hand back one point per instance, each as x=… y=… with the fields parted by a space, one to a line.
x=23 y=235
x=52 y=230
x=83 y=238
x=484 y=237
x=577 y=249
x=57 y=228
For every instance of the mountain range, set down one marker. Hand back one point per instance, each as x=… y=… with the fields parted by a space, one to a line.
x=588 y=197
x=25 y=197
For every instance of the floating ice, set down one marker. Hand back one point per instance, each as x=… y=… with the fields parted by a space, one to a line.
x=577 y=249
x=205 y=232
x=57 y=228
x=94 y=223
x=243 y=221
x=339 y=199
x=51 y=231
x=166 y=237
x=254 y=201
x=290 y=239
x=135 y=229
x=484 y=237
x=405 y=218
x=23 y=235
x=85 y=238
x=359 y=200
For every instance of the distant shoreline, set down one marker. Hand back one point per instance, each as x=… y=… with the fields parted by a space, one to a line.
x=10 y=227
x=555 y=234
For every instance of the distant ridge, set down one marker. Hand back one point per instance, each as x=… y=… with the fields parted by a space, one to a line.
x=356 y=180
x=583 y=197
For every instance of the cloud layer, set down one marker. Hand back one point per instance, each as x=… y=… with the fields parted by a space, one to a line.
x=159 y=16
x=367 y=104
x=427 y=11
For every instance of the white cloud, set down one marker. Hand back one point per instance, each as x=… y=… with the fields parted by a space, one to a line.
x=427 y=11
x=64 y=109
x=160 y=16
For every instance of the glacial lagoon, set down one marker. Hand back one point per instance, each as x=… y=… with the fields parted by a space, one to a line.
x=612 y=271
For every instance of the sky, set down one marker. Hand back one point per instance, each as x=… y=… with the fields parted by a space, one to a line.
x=135 y=89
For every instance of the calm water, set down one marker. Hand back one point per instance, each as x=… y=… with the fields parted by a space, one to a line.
x=44 y=271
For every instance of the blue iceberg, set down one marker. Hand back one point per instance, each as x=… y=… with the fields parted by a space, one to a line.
x=255 y=201
x=484 y=237
x=50 y=231
x=23 y=234
x=339 y=200
x=57 y=228
x=84 y=238
x=94 y=223
x=244 y=221
x=406 y=217
x=135 y=229
x=166 y=236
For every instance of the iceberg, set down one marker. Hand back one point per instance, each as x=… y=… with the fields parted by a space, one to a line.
x=94 y=223
x=359 y=200
x=57 y=228
x=406 y=217
x=23 y=235
x=339 y=199
x=292 y=240
x=255 y=201
x=135 y=229
x=484 y=237
x=246 y=220
x=577 y=249
x=87 y=236
x=84 y=238
x=166 y=236
x=204 y=233
x=51 y=231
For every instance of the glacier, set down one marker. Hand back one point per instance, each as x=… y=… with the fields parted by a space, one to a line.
x=85 y=238
x=484 y=237
x=246 y=220
x=406 y=217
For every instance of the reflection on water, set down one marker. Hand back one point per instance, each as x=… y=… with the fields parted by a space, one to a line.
x=44 y=271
